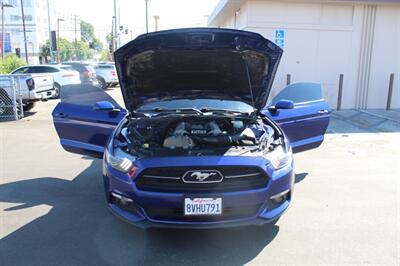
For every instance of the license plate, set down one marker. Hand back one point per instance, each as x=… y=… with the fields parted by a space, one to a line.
x=203 y=206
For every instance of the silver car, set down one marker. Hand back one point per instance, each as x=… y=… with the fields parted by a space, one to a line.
x=106 y=75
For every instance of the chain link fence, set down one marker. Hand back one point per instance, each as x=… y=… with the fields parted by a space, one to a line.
x=11 y=107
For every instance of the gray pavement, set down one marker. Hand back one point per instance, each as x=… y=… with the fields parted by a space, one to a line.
x=346 y=208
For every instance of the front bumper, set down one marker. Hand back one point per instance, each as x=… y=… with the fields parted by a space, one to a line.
x=111 y=80
x=41 y=95
x=121 y=184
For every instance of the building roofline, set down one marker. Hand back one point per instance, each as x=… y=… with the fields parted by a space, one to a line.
x=223 y=8
x=227 y=7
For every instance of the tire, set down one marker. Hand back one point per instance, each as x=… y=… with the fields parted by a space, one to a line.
x=57 y=88
x=102 y=83
x=29 y=106
x=5 y=100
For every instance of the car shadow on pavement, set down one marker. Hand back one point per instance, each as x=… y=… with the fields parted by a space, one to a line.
x=79 y=230
x=300 y=177
x=29 y=113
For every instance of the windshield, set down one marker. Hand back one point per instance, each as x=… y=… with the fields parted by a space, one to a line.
x=67 y=68
x=199 y=104
x=104 y=66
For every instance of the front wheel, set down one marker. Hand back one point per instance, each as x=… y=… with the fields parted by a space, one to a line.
x=57 y=88
x=102 y=83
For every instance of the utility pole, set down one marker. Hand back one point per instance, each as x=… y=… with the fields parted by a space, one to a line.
x=115 y=26
x=147 y=18
x=112 y=38
x=75 y=28
x=24 y=29
x=49 y=25
x=119 y=28
x=76 y=41
x=58 y=38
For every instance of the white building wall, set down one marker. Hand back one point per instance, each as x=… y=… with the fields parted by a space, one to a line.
x=324 y=40
x=319 y=43
x=385 y=57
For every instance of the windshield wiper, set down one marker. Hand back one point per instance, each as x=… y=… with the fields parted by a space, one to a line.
x=173 y=110
x=201 y=111
x=224 y=111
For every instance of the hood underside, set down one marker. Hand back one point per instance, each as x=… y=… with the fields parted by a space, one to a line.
x=197 y=63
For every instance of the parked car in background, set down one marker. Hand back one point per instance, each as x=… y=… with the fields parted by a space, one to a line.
x=86 y=72
x=62 y=74
x=32 y=88
x=106 y=74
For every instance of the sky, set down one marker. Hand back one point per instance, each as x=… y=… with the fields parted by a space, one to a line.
x=172 y=14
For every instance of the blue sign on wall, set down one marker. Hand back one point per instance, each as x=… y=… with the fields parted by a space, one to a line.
x=280 y=38
x=7 y=43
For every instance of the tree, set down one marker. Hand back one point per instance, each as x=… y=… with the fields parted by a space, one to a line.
x=109 y=37
x=83 y=51
x=68 y=50
x=87 y=31
x=105 y=55
x=97 y=44
x=10 y=62
x=45 y=51
x=87 y=35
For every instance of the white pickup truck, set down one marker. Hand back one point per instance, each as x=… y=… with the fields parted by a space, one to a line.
x=30 y=88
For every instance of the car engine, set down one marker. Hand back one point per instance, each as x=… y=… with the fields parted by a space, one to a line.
x=191 y=132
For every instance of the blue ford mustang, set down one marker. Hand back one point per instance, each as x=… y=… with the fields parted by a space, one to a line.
x=200 y=144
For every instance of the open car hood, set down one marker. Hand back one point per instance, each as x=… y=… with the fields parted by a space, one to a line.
x=197 y=63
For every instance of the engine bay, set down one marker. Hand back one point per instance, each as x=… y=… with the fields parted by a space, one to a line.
x=188 y=134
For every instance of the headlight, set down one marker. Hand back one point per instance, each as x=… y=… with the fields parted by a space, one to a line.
x=119 y=163
x=278 y=158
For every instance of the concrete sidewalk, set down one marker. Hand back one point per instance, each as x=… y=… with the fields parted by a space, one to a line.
x=364 y=121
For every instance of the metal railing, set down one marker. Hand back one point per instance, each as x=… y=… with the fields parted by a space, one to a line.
x=11 y=106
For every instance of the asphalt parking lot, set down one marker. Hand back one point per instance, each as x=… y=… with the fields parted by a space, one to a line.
x=346 y=209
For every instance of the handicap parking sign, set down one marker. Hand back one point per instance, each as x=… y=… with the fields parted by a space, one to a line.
x=280 y=42
x=280 y=38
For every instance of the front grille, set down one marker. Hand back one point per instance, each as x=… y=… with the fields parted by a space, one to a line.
x=169 y=179
x=176 y=214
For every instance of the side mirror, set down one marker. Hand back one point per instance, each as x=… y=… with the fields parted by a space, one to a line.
x=104 y=106
x=281 y=104
x=284 y=104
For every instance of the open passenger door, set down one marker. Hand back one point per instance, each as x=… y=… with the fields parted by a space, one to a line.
x=302 y=113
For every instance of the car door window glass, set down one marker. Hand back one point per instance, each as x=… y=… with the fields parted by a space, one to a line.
x=21 y=70
x=37 y=70
x=30 y=70
x=50 y=70
x=34 y=70
x=299 y=93
x=103 y=67
x=67 y=68
x=85 y=95
x=75 y=67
